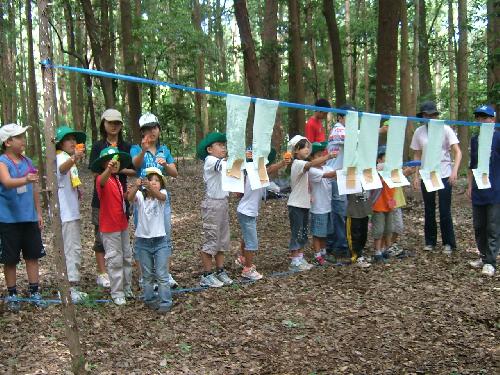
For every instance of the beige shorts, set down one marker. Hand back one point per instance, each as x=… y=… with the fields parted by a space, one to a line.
x=215 y=216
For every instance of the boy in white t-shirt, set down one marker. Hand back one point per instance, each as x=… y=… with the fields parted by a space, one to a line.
x=214 y=211
x=321 y=205
x=299 y=201
x=67 y=156
x=247 y=211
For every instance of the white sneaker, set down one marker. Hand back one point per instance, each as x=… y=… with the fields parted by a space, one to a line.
x=302 y=265
x=77 y=296
x=447 y=250
x=428 y=248
x=476 y=263
x=210 y=281
x=103 y=280
x=251 y=274
x=224 y=278
x=488 y=270
x=362 y=263
x=173 y=284
x=394 y=250
x=120 y=301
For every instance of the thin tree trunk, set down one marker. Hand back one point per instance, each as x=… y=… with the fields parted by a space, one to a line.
x=463 y=78
x=23 y=83
x=426 y=92
x=404 y=75
x=7 y=63
x=107 y=60
x=366 y=72
x=451 y=60
x=416 y=53
x=349 y=47
x=338 y=65
x=493 y=39
x=295 y=69
x=68 y=309
x=312 y=45
x=219 y=41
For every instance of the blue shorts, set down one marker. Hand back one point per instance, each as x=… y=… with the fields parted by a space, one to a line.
x=248 y=225
x=321 y=225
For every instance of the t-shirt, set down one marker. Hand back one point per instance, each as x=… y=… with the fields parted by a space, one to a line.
x=336 y=144
x=150 y=223
x=97 y=147
x=419 y=143
x=112 y=217
x=69 y=205
x=17 y=205
x=250 y=202
x=482 y=197
x=212 y=175
x=385 y=202
x=300 y=195
x=150 y=159
x=359 y=205
x=314 y=130
x=321 y=190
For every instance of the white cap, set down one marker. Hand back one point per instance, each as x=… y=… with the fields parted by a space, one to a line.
x=111 y=114
x=11 y=130
x=148 y=119
x=296 y=139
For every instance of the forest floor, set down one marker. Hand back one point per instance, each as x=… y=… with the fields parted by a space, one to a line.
x=427 y=314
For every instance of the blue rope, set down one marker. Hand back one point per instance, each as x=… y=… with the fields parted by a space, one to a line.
x=124 y=77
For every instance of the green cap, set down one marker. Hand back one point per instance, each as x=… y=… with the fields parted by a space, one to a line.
x=318 y=146
x=107 y=154
x=201 y=149
x=65 y=130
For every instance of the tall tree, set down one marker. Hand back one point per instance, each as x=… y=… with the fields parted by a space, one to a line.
x=405 y=77
x=351 y=83
x=295 y=69
x=425 y=79
x=415 y=93
x=133 y=96
x=451 y=60
x=463 y=78
x=309 y=8
x=387 y=55
x=8 y=62
x=493 y=32
x=334 y=37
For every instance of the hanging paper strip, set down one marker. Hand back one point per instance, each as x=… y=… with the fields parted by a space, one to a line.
x=237 y=113
x=393 y=173
x=481 y=173
x=348 y=172
x=263 y=124
x=231 y=183
x=367 y=151
x=432 y=155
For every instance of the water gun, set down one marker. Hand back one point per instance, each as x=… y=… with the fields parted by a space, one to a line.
x=116 y=157
x=80 y=147
x=287 y=156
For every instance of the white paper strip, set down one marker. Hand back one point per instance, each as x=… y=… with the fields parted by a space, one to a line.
x=263 y=124
x=231 y=184
x=481 y=174
x=237 y=114
x=342 y=183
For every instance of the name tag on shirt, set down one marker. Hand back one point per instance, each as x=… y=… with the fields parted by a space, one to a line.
x=22 y=189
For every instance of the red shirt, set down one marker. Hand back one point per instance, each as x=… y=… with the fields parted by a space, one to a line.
x=314 y=130
x=112 y=217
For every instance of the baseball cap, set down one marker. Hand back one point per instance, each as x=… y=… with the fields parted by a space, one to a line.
x=429 y=108
x=485 y=109
x=11 y=130
x=111 y=114
x=322 y=102
x=148 y=119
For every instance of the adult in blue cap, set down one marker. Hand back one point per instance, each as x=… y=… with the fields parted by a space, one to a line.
x=449 y=173
x=486 y=202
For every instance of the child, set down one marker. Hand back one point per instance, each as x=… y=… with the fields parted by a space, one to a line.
x=247 y=211
x=382 y=215
x=20 y=215
x=214 y=211
x=321 y=205
x=69 y=195
x=150 y=237
x=299 y=201
x=113 y=224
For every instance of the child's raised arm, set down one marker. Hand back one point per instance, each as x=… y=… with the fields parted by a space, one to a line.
x=317 y=162
x=330 y=174
x=133 y=190
x=107 y=172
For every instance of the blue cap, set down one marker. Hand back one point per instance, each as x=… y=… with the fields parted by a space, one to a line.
x=485 y=109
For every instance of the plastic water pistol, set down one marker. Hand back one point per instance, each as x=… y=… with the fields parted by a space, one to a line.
x=116 y=157
x=80 y=147
x=287 y=156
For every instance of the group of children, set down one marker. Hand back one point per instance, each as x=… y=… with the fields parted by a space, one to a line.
x=313 y=168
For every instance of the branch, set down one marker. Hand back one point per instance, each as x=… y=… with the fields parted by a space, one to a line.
x=78 y=57
x=438 y=9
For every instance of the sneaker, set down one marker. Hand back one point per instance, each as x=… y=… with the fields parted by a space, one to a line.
x=77 y=296
x=224 y=278
x=428 y=248
x=362 y=263
x=321 y=261
x=129 y=294
x=103 y=280
x=488 y=270
x=394 y=251
x=379 y=258
x=447 y=250
x=119 y=301
x=37 y=300
x=163 y=309
x=240 y=261
x=476 y=263
x=251 y=274
x=210 y=281
x=173 y=284
x=13 y=304
x=302 y=265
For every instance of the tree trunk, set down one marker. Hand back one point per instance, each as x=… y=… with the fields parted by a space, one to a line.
x=387 y=56
x=219 y=41
x=366 y=75
x=23 y=85
x=426 y=92
x=405 y=76
x=493 y=38
x=295 y=69
x=463 y=79
x=107 y=60
x=312 y=45
x=451 y=60
x=349 y=48
x=416 y=54
x=33 y=117
x=7 y=63
x=133 y=96
x=334 y=36
x=68 y=309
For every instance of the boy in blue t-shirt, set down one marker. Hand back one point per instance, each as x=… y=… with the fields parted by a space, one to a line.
x=20 y=215
x=486 y=202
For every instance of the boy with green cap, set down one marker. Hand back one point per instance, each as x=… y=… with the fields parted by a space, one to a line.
x=214 y=211
x=113 y=224
x=67 y=156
